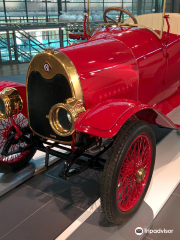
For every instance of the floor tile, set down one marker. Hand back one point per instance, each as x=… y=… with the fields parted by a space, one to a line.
x=83 y=195
x=47 y=223
x=13 y=69
x=49 y=185
x=75 y=180
x=19 y=204
x=11 y=180
x=168 y=218
x=53 y=166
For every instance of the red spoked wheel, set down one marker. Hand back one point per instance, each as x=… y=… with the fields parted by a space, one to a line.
x=134 y=173
x=15 y=161
x=128 y=171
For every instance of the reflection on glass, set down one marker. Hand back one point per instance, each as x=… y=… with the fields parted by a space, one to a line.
x=71 y=15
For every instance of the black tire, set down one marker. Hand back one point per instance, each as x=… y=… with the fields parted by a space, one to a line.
x=12 y=163
x=112 y=206
x=8 y=168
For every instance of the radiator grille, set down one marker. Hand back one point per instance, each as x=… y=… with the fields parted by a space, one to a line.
x=42 y=95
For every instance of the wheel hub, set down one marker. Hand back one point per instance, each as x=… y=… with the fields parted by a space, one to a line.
x=140 y=174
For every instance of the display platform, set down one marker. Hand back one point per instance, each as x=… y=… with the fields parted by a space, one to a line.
x=166 y=175
x=97 y=227
x=12 y=180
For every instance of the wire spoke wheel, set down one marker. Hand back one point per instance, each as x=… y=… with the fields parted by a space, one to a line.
x=134 y=173
x=14 y=161
x=128 y=171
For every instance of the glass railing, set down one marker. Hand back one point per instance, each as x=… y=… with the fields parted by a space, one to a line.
x=30 y=42
x=9 y=51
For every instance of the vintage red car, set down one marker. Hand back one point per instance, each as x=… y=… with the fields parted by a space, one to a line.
x=95 y=96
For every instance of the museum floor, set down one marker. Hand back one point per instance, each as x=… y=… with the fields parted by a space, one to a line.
x=44 y=206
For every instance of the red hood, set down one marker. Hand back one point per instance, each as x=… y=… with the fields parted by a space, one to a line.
x=106 y=68
x=5 y=83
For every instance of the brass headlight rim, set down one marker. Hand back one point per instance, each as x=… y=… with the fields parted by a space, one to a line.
x=55 y=124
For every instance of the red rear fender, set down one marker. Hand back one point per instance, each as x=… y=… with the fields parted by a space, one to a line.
x=21 y=89
x=106 y=118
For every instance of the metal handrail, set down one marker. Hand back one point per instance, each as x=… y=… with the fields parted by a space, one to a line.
x=3 y=39
x=30 y=40
x=21 y=54
x=49 y=23
x=19 y=51
x=30 y=37
x=33 y=43
x=28 y=44
x=3 y=44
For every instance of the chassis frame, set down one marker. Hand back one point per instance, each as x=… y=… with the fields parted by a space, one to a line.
x=71 y=157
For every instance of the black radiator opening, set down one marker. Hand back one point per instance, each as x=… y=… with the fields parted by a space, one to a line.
x=42 y=95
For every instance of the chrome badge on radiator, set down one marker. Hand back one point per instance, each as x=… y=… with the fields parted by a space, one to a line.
x=47 y=67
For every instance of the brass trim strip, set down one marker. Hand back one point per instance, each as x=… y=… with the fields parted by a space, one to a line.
x=127 y=24
x=87 y=30
x=40 y=170
x=140 y=25
x=162 y=25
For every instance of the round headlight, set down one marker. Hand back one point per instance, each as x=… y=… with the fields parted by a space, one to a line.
x=64 y=119
x=63 y=116
x=61 y=121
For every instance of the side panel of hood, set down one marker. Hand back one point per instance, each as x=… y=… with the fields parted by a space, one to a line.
x=107 y=69
x=148 y=51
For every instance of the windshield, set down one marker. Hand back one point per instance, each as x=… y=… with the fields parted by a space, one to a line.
x=140 y=13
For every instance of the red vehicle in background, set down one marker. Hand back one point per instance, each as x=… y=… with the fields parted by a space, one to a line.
x=97 y=96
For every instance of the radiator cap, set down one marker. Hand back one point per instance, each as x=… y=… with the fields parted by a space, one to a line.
x=49 y=49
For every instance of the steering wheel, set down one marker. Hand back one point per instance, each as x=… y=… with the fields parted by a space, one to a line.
x=121 y=10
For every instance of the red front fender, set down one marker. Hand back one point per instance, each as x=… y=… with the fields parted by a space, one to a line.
x=106 y=118
x=21 y=89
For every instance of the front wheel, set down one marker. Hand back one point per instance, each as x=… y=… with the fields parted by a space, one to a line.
x=128 y=171
x=15 y=161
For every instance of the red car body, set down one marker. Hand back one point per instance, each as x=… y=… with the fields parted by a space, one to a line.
x=98 y=95
x=126 y=72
